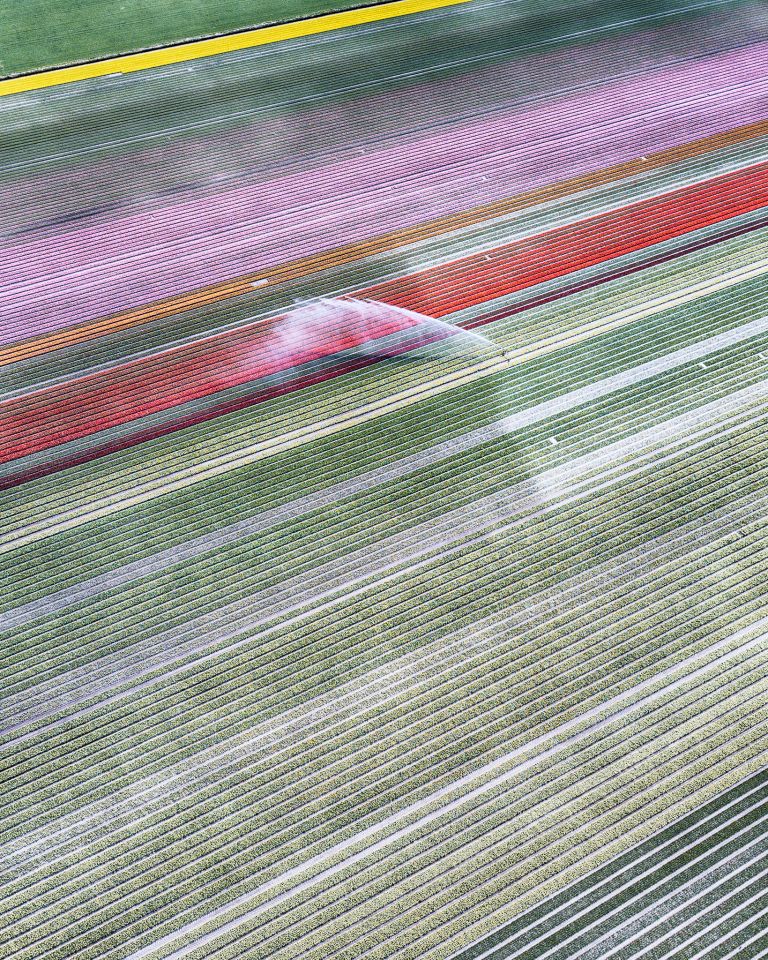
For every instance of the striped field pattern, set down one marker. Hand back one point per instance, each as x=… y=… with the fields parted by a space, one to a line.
x=384 y=494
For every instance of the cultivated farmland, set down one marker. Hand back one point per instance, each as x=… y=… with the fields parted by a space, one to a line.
x=384 y=494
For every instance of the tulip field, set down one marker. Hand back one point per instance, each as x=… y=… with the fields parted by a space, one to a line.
x=384 y=494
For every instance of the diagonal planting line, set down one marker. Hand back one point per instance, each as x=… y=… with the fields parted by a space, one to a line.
x=572 y=957
x=717 y=922
x=349 y=576
x=623 y=317
x=271 y=738
x=638 y=917
x=373 y=478
x=695 y=838
x=573 y=731
x=487 y=807
x=739 y=950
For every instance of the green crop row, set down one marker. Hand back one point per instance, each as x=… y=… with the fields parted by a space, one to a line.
x=438 y=588
x=636 y=622
x=602 y=893
x=431 y=848
x=436 y=708
x=740 y=465
x=637 y=617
